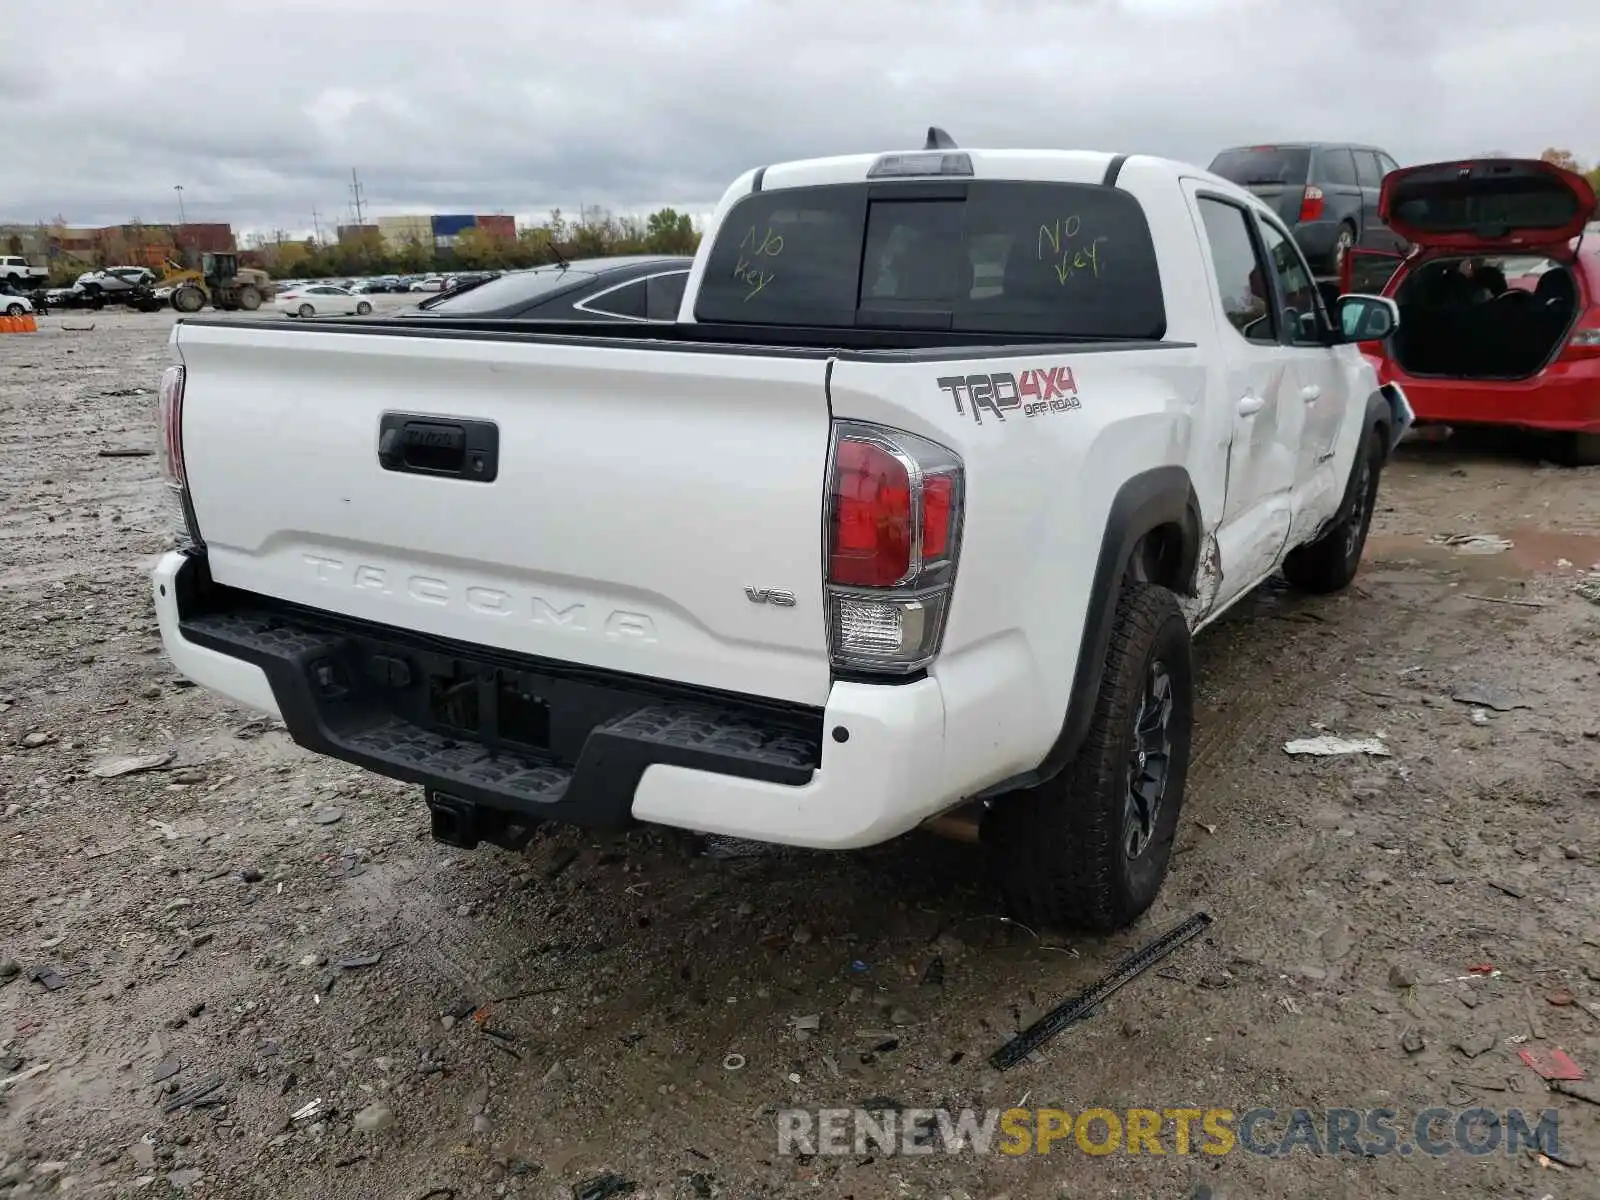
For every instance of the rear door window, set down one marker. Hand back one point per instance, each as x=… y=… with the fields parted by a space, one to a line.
x=1336 y=167
x=626 y=301
x=663 y=296
x=989 y=256
x=1369 y=170
x=1263 y=164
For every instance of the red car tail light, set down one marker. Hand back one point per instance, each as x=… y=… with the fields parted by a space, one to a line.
x=893 y=533
x=1584 y=341
x=169 y=402
x=1312 y=205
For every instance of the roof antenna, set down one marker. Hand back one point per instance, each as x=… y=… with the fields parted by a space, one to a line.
x=938 y=139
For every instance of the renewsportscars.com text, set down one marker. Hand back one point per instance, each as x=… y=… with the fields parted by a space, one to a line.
x=1358 y=1133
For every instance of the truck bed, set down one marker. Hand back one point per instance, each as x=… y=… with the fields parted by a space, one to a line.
x=791 y=341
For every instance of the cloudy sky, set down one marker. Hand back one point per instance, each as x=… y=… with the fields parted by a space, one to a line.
x=261 y=109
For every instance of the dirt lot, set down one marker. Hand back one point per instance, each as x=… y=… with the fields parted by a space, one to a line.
x=537 y=1020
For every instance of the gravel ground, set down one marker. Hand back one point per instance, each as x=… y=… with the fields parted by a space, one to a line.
x=525 y=1023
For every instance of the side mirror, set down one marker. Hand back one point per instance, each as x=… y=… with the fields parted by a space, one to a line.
x=1358 y=318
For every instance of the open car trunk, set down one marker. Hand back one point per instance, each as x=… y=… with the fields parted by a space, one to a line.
x=1472 y=318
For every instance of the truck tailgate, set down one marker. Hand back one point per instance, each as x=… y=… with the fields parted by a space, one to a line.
x=637 y=494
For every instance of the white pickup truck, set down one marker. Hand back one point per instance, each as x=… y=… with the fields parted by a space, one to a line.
x=17 y=272
x=916 y=507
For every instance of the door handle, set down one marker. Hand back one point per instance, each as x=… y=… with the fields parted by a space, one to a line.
x=1310 y=393
x=1249 y=406
x=421 y=445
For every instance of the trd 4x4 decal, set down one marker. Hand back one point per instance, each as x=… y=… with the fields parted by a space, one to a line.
x=1048 y=389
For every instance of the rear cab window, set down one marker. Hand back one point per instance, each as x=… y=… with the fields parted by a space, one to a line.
x=1073 y=261
x=1264 y=164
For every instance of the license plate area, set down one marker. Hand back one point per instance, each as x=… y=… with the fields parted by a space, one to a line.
x=480 y=701
x=489 y=704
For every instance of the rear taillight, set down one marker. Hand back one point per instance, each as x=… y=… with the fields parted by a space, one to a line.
x=1585 y=340
x=893 y=534
x=1312 y=205
x=170 y=406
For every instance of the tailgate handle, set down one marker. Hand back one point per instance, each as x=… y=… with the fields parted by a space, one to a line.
x=418 y=444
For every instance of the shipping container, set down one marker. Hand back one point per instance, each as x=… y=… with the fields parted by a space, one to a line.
x=450 y=224
x=499 y=226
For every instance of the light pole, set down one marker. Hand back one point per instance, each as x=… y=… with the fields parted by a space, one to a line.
x=178 y=187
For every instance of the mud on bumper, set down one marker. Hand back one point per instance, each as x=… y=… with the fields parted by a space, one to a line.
x=499 y=741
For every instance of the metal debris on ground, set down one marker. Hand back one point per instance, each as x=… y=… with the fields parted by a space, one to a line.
x=1483 y=695
x=166 y=1069
x=49 y=978
x=357 y=961
x=1577 y=1089
x=1081 y=1005
x=129 y=764
x=603 y=1187
x=1552 y=1063
x=194 y=1097
x=23 y=1076
x=126 y=452
x=309 y=1111
x=720 y=846
x=1472 y=543
x=733 y=1062
x=1503 y=600
x=1328 y=746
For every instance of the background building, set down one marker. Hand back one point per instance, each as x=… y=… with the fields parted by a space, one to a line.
x=399 y=232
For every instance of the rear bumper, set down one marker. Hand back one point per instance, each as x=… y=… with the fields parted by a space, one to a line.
x=1564 y=398
x=603 y=749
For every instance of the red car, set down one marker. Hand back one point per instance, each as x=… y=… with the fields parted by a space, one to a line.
x=1499 y=298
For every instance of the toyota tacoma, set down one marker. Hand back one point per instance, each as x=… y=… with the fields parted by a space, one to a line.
x=914 y=508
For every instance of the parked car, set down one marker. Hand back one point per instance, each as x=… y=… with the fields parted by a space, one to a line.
x=1499 y=302
x=1326 y=192
x=631 y=288
x=321 y=299
x=432 y=283
x=19 y=273
x=13 y=304
x=850 y=545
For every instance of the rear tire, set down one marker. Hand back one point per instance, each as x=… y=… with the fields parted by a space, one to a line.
x=249 y=298
x=1331 y=562
x=364 y=309
x=1090 y=848
x=305 y=310
x=1580 y=450
x=188 y=299
x=15 y=310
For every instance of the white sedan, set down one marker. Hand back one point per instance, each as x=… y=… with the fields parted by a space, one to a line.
x=324 y=298
x=14 y=306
